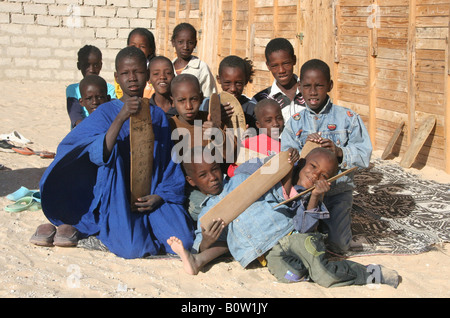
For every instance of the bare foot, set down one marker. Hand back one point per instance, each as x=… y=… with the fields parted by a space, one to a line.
x=188 y=259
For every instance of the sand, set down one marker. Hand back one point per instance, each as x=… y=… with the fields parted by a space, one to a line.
x=37 y=110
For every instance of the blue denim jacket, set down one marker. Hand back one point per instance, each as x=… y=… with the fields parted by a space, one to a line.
x=343 y=126
x=306 y=221
x=257 y=229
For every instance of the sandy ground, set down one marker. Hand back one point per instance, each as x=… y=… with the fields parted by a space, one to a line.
x=37 y=111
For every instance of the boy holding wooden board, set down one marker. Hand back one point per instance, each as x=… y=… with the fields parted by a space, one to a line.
x=285 y=236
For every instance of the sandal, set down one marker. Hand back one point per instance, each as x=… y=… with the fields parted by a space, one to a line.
x=66 y=236
x=44 y=235
x=20 y=193
x=20 y=205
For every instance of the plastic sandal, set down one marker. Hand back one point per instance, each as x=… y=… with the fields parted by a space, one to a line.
x=20 y=205
x=20 y=193
x=24 y=151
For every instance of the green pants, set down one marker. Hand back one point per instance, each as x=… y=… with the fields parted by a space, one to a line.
x=303 y=254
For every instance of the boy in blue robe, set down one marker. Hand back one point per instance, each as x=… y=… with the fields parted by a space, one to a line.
x=87 y=186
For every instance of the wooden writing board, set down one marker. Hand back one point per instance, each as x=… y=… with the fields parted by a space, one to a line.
x=245 y=154
x=215 y=110
x=237 y=120
x=309 y=145
x=419 y=139
x=249 y=191
x=142 y=140
x=387 y=151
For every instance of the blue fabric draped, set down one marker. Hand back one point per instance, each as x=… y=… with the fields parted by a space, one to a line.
x=80 y=189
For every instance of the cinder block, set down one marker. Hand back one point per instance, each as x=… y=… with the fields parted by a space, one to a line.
x=40 y=74
x=16 y=51
x=118 y=22
x=118 y=3
x=123 y=34
x=23 y=40
x=48 y=20
x=16 y=73
x=22 y=19
x=40 y=52
x=33 y=8
x=48 y=42
x=140 y=23
x=147 y=13
x=105 y=12
x=95 y=22
x=141 y=3
x=71 y=43
x=34 y=29
x=12 y=28
x=4 y=18
x=25 y=62
x=116 y=44
x=95 y=2
x=49 y=63
x=59 y=10
x=127 y=13
x=107 y=33
x=10 y=7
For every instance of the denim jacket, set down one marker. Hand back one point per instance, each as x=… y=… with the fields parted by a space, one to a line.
x=306 y=221
x=257 y=229
x=343 y=126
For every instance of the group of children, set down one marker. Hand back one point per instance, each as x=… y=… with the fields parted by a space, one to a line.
x=86 y=189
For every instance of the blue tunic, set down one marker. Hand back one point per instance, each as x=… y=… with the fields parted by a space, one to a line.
x=80 y=189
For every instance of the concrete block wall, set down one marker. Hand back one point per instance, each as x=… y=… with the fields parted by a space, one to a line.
x=39 y=39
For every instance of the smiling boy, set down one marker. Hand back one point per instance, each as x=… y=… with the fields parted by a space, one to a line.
x=280 y=60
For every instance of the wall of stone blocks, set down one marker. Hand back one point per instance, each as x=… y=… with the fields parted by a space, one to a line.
x=39 y=39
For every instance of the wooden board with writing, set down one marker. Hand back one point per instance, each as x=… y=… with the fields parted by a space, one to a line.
x=142 y=141
x=237 y=120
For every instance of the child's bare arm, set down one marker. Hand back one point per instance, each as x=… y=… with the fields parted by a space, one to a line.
x=211 y=234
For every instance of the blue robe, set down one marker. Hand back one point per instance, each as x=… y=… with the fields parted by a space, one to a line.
x=80 y=189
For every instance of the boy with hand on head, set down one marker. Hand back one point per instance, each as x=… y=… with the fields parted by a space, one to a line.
x=341 y=131
x=89 y=63
x=100 y=147
x=94 y=92
x=161 y=76
x=280 y=60
x=285 y=236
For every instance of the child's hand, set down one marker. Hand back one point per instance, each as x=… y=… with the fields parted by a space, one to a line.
x=131 y=106
x=227 y=110
x=148 y=203
x=321 y=187
x=207 y=125
x=314 y=137
x=211 y=233
x=325 y=143
x=294 y=155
